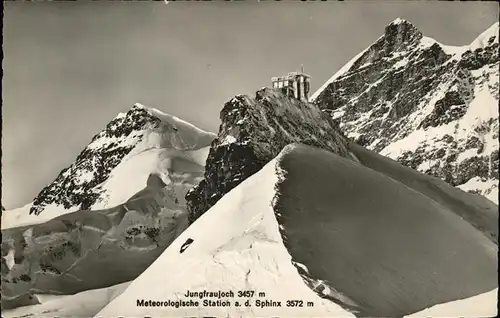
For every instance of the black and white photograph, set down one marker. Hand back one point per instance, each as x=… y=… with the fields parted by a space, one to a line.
x=250 y=159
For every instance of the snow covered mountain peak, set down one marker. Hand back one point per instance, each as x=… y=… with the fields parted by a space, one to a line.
x=400 y=35
x=430 y=106
x=138 y=133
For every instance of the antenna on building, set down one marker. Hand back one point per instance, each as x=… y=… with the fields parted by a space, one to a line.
x=302 y=68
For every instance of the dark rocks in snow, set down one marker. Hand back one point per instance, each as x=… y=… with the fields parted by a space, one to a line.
x=397 y=37
x=446 y=110
x=474 y=142
x=68 y=189
x=376 y=66
x=494 y=164
x=472 y=167
x=252 y=132
x=413 y=159
x=451 y=171
x=476 y=59
x=186 y=245
x=406 y=82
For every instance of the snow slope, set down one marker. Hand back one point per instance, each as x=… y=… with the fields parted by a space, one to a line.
x=475 y=209
x=483 y=305
x=245 y=252
x=293 y=232
x=63 y=255
x=81 y=305
x=21 y=216
x=388 y=240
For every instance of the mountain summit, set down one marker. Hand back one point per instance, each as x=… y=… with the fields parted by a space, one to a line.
x=117 y=163
x=85 y=184
x=427 y=105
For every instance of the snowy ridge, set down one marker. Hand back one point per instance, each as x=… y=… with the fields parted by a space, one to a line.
x=427 y=105
x=246 y=254
x=345 y=69
x=177 y=122
x=425 y=42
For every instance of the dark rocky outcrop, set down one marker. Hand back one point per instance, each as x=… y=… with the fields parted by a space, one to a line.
x=252 y=132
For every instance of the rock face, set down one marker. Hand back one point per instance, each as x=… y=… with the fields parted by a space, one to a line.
x=252 y=132
x=429 y=106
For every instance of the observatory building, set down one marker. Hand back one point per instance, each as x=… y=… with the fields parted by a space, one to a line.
x=295 y=84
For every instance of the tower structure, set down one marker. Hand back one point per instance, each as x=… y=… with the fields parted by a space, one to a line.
x=295 y=84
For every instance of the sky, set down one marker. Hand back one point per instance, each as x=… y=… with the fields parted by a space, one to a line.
x=71 y=67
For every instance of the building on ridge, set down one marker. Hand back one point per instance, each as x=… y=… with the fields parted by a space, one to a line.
x=295 y=84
